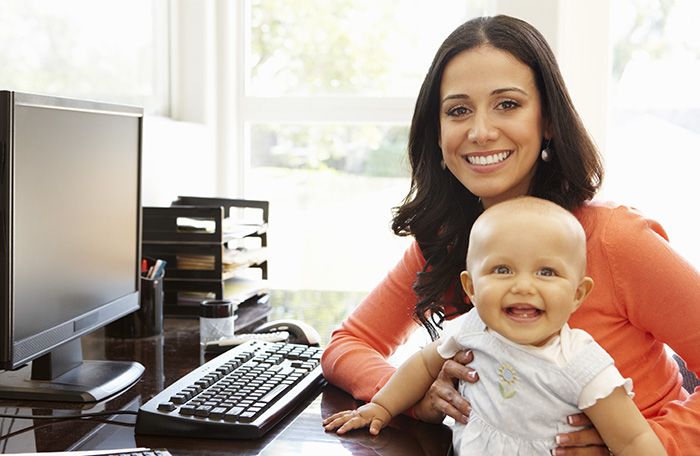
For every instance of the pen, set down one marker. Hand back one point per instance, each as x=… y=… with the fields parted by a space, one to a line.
x=157 y=270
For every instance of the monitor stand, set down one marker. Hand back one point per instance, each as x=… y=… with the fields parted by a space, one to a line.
x=62 y=375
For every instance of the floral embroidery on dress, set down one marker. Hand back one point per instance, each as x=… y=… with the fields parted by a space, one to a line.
x=508 y=378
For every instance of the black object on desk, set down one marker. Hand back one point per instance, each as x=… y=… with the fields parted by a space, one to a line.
x=211 y=246
x=148 y=319
x=239 y=394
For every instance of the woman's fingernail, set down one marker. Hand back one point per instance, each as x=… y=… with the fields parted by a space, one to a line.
x=571 y=420
x=561 y=439
x=556 y=451
x=472 y=375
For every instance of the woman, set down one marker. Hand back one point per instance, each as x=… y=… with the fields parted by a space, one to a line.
x=493 y=121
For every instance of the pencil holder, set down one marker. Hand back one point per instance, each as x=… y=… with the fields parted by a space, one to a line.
x=148 y=319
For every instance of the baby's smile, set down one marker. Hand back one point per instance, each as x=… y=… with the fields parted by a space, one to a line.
x=523 y=312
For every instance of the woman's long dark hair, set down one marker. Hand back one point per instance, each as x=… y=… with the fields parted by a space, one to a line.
x=439 y=211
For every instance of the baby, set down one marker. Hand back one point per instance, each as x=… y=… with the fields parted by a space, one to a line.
x=525 y=276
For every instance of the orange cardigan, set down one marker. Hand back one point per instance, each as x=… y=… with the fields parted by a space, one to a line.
x=645 y=295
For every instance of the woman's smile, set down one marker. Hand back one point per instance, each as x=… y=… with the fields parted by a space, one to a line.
x=487 y=161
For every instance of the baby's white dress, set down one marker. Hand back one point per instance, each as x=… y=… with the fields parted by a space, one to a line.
x=525 y=393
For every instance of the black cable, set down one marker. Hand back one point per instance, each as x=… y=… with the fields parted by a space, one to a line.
x=9 y=428
x=93 y=416
x=38 y=426
x=69 y=417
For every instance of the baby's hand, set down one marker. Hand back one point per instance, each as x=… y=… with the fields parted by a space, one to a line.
x=373 y=415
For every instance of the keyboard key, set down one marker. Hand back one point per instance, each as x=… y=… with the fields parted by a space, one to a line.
x=272 y=395
x=233 y=414
x=217 y=413
x=166 y=407
x=178 y=399
x=246 y=417
x=202 y=410
x=187 y=410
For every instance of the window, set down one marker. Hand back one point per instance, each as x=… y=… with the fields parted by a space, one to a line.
x=653 y=150
x=327 y=101
x=108 y=51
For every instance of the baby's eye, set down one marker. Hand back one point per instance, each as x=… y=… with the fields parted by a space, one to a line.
x=547 y=272
x=501 y=269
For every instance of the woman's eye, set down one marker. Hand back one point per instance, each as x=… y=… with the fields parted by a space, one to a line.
x=501 y=270
x=547 y=272
x=507 y=105
x=457 y=111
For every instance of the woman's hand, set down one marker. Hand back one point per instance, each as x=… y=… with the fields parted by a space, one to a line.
x=586 y=442
x=443 y=398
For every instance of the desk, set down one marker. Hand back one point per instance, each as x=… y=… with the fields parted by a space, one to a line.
x=172 y=355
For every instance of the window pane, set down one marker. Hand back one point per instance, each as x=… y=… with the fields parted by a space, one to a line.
x=332 y=185
x=366 y=47
x=331 y=188
x=102 y=50
x=654 y=138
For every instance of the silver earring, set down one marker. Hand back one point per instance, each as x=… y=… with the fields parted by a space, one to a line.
x=546 y=154
x=443 y=165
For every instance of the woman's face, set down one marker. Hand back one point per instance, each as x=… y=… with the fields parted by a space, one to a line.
x=491 y=126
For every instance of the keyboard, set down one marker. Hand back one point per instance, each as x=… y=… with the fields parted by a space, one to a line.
x=240 y=394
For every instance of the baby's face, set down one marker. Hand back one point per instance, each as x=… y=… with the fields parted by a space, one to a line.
x=526 y=275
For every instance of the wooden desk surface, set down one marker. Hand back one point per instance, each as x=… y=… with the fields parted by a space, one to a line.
x=172 y=355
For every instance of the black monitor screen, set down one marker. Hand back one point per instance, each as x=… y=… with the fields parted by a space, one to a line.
x=74 y=233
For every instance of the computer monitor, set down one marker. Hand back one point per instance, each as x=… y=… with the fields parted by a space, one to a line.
x=70 y=226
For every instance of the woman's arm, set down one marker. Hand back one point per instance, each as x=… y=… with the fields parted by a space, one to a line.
x=373 y=331
x=649 y=295
x=661 y=294
x=622 y=426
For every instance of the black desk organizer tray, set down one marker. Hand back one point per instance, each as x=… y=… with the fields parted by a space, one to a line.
x=197 y=236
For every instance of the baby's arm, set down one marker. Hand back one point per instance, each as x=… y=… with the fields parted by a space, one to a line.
x=621 y=425
x=406 y=387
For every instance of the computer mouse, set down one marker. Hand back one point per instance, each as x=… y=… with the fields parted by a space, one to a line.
x=299 y=332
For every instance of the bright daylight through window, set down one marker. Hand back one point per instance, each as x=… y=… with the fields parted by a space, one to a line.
x=653 y=149
x=47 y=48
x=330 y=89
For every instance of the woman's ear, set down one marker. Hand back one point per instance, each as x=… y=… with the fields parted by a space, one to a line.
x=547 y=128
x=584 y=289
x=467 y=284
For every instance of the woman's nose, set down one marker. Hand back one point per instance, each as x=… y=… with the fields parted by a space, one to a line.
x=481 y=131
